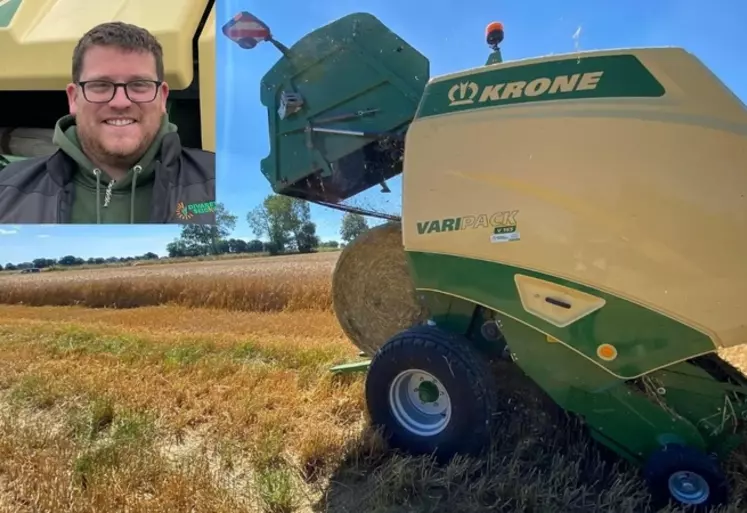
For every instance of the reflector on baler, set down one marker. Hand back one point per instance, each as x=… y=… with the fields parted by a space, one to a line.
x=339 y=103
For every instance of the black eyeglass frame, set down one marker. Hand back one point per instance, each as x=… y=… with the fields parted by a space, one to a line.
x=117 y=85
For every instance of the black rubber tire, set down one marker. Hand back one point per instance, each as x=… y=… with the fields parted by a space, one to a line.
x=674 y=458
x=459 y=367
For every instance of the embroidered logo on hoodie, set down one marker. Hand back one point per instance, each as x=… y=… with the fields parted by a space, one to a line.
x=188 y=211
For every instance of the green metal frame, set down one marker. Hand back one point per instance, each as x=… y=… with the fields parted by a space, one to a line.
x=349 y=368
x=632 y=417
x=681 y=403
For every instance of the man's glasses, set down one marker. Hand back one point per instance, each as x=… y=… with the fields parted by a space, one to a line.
x=103 y=91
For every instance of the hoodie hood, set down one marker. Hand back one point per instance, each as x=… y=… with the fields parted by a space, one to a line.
x=66 y=137
x=88 y=176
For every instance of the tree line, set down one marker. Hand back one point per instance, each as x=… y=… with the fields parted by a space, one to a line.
x=281 y=225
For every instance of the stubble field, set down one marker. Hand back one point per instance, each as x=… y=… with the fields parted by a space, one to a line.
x=215 y=395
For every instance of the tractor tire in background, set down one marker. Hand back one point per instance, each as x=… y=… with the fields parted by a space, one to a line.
x=373 y=295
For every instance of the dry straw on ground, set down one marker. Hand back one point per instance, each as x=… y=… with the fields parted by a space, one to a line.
x=372 y=291
x=176 y=409
x=167 y=409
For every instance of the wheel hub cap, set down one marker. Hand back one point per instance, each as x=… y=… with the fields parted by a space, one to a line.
x=419 y=402
x=688 y=487
x=428 y=392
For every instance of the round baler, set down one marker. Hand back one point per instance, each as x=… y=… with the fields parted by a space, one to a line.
x=582 y=213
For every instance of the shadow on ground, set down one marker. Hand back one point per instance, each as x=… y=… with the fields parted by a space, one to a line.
x=541 y=461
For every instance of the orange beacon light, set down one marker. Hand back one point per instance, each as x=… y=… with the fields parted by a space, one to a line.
x=494 y=34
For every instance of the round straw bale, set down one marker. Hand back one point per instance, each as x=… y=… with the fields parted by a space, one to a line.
x=373 y=294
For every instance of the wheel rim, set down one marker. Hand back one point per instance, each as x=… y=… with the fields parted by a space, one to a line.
x=419 y=402
x=688 y=487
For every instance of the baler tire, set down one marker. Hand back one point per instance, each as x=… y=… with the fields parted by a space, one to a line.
x=671 y=459
x=466 y=377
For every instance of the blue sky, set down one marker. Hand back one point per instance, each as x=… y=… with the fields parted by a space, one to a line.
x=451 y=34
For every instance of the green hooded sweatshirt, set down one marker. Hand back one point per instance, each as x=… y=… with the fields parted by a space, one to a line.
x=97 y=198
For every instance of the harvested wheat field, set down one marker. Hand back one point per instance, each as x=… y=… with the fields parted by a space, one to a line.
x=180 y=406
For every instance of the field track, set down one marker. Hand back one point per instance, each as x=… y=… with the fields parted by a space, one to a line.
x=215 y=396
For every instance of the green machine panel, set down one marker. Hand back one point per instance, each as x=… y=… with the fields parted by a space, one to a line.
x=339 y=103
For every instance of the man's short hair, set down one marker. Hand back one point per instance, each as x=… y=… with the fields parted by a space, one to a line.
x=121 y=35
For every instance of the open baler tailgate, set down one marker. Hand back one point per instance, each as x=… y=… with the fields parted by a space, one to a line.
x=339 y=103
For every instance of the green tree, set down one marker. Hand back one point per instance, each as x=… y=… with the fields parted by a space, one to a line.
x=286 y=222
x=182 y=248
x=255 y=246
x=41 y=263
x=175 y=248
x=306 y=239
x=69 y=260
x=352 y=226
x=237 y=246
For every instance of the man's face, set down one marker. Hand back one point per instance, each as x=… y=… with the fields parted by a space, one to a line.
x=118 y=132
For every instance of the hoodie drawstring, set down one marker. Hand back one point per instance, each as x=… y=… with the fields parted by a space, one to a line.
x=136 y=171
x=108 y=193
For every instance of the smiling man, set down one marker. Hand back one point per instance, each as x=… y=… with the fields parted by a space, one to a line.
x=120 y=159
